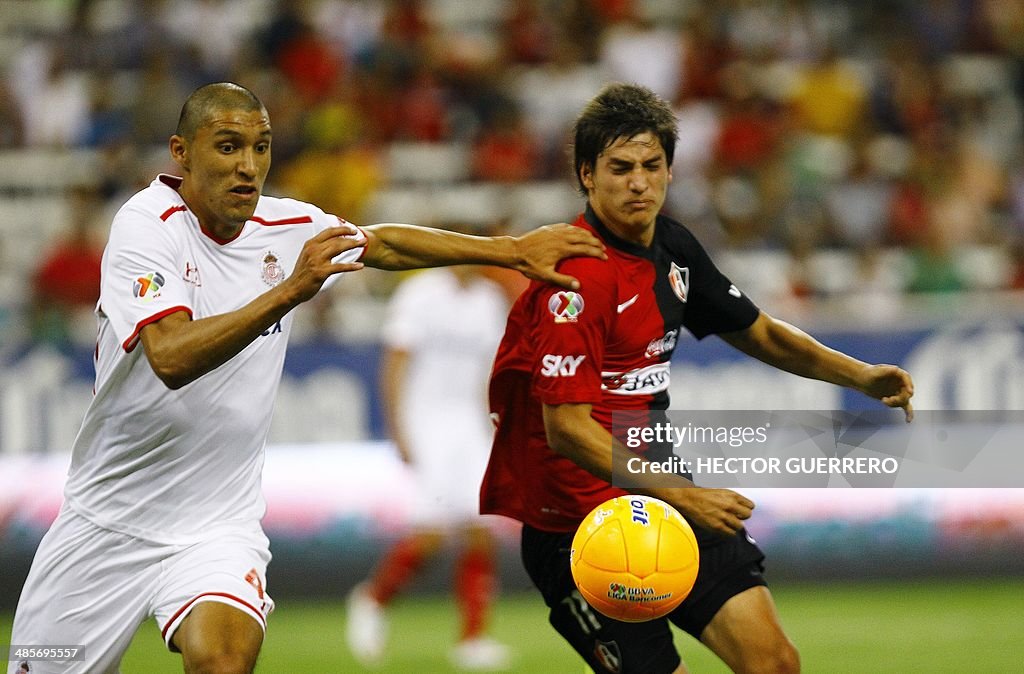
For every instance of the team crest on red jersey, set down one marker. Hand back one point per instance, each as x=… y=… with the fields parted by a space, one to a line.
x=273 y=272
x=679 y=278
x=566 y=306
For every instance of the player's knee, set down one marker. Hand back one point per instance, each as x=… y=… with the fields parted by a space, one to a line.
x=220 y=662
x=781 y=658
x=787 y=659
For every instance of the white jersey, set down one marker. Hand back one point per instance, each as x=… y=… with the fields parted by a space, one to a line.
x=451 y=332
x=176 y=466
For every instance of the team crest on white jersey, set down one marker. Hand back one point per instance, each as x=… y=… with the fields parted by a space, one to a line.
x=679 y=279
x=273 y=272
x=566 y=306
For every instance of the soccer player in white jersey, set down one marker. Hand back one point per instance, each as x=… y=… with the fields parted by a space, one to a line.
x=442 y=330
x=162 y=505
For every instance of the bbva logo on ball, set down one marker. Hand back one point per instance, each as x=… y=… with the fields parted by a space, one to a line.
x=634 y=558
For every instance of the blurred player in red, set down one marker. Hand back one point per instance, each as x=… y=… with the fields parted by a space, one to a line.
x=67 y=281
x=442 y=330
x=163 y=502
x=569 y=359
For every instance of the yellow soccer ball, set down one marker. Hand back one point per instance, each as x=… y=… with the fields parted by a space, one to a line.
x=634 y=558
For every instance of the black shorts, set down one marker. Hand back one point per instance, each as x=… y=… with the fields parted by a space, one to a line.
x=728 y=566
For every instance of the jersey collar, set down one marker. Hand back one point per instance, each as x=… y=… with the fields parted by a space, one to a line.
x=174 y=182
x=618 y=242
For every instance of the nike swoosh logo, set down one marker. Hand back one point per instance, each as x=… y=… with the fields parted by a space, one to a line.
x=734 y=291
x=628 y=303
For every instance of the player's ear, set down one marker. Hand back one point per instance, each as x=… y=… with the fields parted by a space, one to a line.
x=587 y=176
x=179 y=151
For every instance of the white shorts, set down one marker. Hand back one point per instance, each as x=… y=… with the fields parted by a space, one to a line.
x=449 y=461
x=93 y=588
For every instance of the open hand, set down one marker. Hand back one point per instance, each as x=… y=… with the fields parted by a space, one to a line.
x=540 y=250
x=720 y=510
x=316 y=261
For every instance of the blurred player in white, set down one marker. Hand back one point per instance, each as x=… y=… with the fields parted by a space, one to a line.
x=442 y=331
x=163 y=501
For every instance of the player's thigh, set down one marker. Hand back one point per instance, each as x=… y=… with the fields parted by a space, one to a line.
x=728 y=567
x=88 y=587
x=607 y=645
x=216 y=636
x=229 y=571
x=747 y=635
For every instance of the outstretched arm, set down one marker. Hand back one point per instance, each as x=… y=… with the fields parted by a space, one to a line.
x=180 y=350
x=781 y=345
x=535 y=254
x=576 y=435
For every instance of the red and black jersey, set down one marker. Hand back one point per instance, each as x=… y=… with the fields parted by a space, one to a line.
x=609 y=345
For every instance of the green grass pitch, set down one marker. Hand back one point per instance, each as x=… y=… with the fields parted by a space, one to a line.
x=949 y=625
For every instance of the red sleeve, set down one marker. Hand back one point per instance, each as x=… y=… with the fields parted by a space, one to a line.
x=569 y=334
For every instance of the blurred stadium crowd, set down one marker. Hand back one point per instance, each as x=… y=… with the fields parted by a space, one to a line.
x=865 y=151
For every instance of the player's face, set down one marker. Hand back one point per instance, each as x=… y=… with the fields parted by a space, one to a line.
x=225 y=166
x=627 y=185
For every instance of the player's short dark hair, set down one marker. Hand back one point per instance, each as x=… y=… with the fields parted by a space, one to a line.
x=210 y=98
x=621 y=111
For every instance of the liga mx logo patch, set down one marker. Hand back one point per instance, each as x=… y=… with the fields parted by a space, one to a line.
x=566 y=306
x=147 y=287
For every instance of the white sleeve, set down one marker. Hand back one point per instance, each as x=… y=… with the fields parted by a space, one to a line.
x=142 y=275
x=322 y=221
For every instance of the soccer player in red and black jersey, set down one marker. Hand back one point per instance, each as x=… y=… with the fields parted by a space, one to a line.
x=570 y=359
